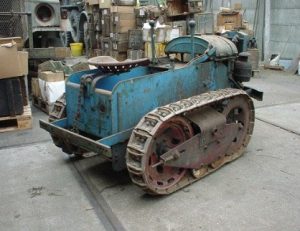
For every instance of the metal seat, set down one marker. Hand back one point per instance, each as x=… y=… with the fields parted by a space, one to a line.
x=109 y=64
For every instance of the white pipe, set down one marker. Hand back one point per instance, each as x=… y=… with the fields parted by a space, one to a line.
x=267 y=25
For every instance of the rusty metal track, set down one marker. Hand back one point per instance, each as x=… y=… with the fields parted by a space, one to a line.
x=144 y=134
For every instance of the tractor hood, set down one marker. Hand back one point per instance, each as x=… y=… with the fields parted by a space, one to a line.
x=223 y=47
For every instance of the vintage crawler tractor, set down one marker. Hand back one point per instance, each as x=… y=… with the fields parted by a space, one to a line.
x=169 y=122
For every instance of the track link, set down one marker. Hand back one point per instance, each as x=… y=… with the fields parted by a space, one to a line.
x=144 y=134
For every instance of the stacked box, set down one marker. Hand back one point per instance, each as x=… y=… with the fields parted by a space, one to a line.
x=92 y=2
x=106 y=25
x=35 y=87
x=13 y=72
x=177 y=7
x=124 y=2
x=13 y=62
x=103 y=4
x=160 y=34
x=204 y=23
x=122 y=19
x=106 y=46
x=120 y=56
x=140 y=17
x=119 y=42
x=18 y=40
x=195 y=6
x=233 y=19
x=135 y=39
x=95 y=27
x=11 y=99
x=135 y=54
x=181 y=25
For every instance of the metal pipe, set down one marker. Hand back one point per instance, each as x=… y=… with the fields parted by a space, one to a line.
x=152 y=24
x=192 y=25
x=14 y=13
x=30 y=32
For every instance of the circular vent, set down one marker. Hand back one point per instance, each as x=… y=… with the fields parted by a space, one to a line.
x=44 y=12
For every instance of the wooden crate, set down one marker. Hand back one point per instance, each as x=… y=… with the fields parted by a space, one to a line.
x=234 y=17
x=106 y=25
x=122 y=22
x=120 y=56
x=195 y=6
x=119 y=41
x=15 y=123
x=177 y=7
x=135 y=54
x=106 y=46
x=135 y=39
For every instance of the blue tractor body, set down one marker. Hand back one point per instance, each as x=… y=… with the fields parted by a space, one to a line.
x=103 y=109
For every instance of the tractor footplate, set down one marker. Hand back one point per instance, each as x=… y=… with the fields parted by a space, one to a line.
x=177 y=144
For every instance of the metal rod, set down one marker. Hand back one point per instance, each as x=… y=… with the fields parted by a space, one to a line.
x=14 y=13
x=192 y=25
x=30 y=33
x=152 y=24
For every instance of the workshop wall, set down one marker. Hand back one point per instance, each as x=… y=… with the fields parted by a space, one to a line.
x=285 y=28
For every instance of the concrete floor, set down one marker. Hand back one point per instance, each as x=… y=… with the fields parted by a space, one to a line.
x=43 y=189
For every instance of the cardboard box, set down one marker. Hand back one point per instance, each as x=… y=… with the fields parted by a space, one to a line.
x=120 y=56
x=122 y=22
x=62 y=52
x=35 y=87
x=229 y=26
x=135 y=54
x=195 y=6
x=124 y=2
x=182 y=25
x=230 y=17
x=13 y=62
x=122 y=9
x=18 y=40
x=106 y=25
x=50 y=76
x=177 y=7
x=104 y=4
x=135 y=39
x=92 y=2
x=106 y=46
x=120 y=46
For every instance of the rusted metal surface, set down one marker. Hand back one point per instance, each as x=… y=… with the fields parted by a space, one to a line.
x=58 y=110
x=67 y=138
x=160 y=173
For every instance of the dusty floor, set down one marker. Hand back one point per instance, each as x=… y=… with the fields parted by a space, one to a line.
x=43 y=189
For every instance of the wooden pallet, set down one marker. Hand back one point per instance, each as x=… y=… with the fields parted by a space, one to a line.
x=19 y=122
x=41 y=104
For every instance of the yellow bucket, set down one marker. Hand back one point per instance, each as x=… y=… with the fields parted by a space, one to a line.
x=76 y=49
